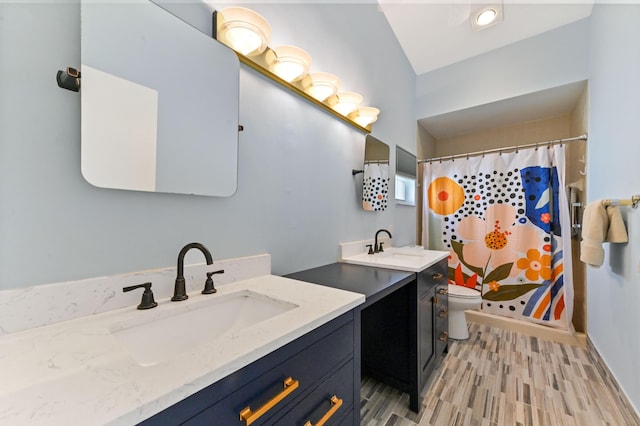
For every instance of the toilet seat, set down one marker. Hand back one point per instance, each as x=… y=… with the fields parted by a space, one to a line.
x=461 y=292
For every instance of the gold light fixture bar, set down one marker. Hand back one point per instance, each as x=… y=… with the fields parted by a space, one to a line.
x=261 y=64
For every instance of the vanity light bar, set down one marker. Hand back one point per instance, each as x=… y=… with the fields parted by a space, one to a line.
x=288 y=66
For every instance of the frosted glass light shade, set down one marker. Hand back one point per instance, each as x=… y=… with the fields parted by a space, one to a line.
x=244 y=30
x=322 y=85
x=346 y=102
x=365 y=115
x=486 y=17
x=291 y=63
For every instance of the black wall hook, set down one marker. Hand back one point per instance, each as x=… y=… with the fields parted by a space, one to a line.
x=69 y=79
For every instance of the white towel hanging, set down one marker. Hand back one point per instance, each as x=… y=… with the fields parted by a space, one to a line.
x=600 y=224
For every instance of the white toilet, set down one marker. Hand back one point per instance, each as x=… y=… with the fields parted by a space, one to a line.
x=461 y=299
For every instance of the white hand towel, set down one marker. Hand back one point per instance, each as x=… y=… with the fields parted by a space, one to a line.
x=600 y=224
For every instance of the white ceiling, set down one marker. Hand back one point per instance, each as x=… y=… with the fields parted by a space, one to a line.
x=437 y=33
x=434 y=34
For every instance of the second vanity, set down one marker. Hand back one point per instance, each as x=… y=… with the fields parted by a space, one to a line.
x=404 y=317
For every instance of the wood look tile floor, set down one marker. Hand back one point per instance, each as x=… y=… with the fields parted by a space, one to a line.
x=499 y=377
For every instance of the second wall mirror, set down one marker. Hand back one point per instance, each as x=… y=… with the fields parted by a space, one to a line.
x=375 y=181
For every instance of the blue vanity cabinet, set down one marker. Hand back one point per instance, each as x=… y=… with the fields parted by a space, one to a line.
x=315 y=376
x=426 y=338
x=404 y=320
x=433 y=324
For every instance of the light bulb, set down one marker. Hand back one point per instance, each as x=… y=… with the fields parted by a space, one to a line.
x=486 y=17
x=322 y=85
x=291 y=63
x=365 y=115
x=346 y=102
x=244 y=30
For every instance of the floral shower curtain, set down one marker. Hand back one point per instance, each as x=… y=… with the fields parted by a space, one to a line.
x=504 y=218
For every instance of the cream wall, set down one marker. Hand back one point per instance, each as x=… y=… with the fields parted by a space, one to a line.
x=508 y=136
x=576 y=174
x=426 y=148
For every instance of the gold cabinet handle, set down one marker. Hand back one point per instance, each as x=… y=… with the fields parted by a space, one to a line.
x=336 y=403
x=443 y=313
x=442 y=291
x=437 y=277
x=444 y=336
x=249 y=416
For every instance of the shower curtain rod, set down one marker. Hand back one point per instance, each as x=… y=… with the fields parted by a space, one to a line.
x=501 y=150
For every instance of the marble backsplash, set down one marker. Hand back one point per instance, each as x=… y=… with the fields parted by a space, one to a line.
x=354 y=248
x=22 y=309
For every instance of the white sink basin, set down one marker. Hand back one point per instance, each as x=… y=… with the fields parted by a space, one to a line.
x=160 y=335
x=409 y=258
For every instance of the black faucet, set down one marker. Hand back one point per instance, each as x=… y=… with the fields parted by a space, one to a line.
x=377 y=248
x=147 y=301
x=179 y=291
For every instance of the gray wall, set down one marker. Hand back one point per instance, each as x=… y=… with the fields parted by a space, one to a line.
x=296 y=197
x=613 y=291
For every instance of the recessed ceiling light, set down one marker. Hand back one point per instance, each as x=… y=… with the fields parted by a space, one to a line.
x=486 y=16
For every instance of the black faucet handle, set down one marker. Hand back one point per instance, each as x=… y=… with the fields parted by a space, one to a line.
x=208 y=284
x=380 y=249
x=370 y=248
x=147 y=301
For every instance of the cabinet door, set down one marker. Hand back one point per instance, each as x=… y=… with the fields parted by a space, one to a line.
x=441 y=324
x=388 y=337
x=441 y=313
x=426 y=339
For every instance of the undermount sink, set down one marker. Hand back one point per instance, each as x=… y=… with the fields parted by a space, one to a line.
x=161 y=335
x=408 y=258
x=405 y=251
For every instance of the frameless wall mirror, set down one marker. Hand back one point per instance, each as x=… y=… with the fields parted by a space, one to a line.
x=406 y=167
x=375 y=181
x=159 y=102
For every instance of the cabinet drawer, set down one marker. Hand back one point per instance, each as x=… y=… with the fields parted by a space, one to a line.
x=306 y=368
x=318 y=403
x=435 y=275
x=441 y=308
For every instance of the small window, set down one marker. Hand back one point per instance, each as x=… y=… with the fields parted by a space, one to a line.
x=405 y=190
x=405 y=184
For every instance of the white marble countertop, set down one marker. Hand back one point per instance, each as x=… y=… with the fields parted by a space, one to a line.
x=75 y=372
x=409 y=258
